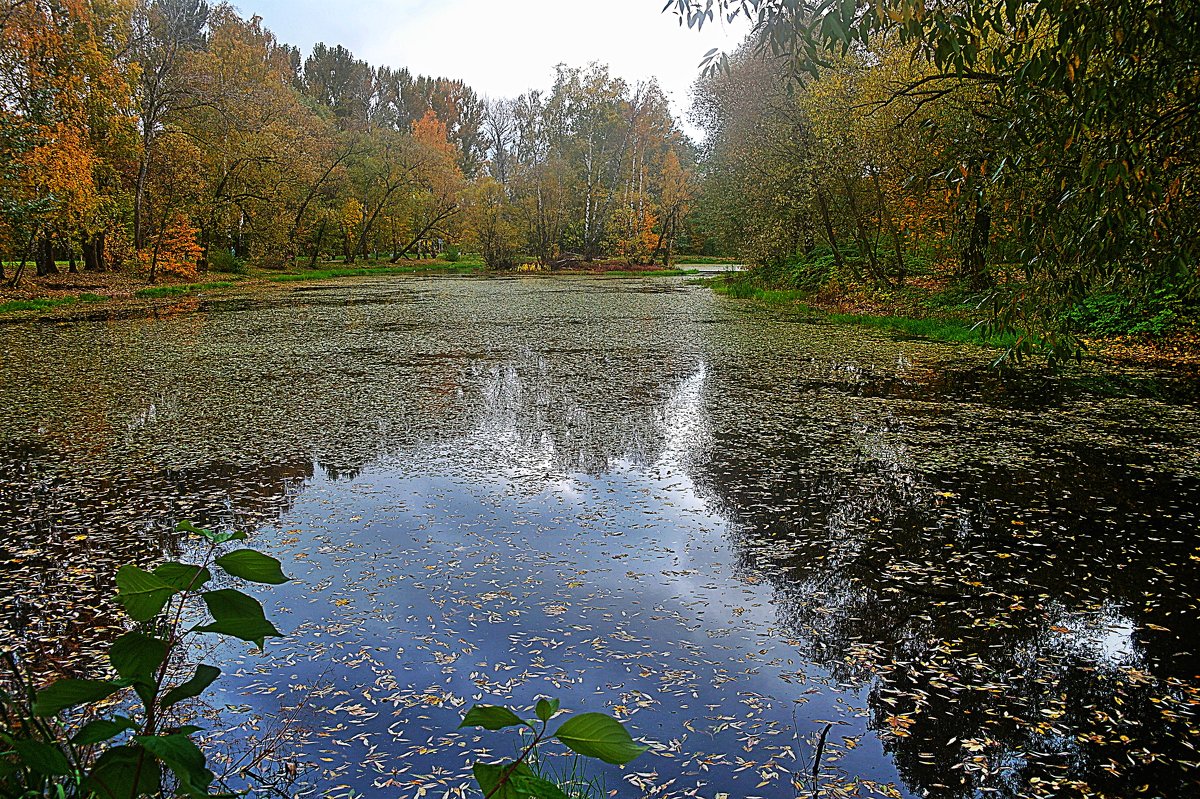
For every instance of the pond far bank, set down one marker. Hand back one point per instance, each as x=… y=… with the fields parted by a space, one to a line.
x=925 y=310
x=67 y=295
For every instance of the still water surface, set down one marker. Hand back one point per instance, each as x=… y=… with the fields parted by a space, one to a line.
x=727 y=524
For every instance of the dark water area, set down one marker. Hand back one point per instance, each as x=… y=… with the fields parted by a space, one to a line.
x=729 y=526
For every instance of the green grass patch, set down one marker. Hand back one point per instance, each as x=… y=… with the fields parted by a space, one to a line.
x=951 y=330
x=181 y=288
x=46 y=303
x=741 y=288
x=933 y=327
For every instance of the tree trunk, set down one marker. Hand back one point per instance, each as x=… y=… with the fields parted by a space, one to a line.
x=823 y=206
x=416 y=240
x=865 y=246
x=885 y=216
x=154 y=260
x=973 y=267
x=16 y=278
x=45 y=258
x=25 y=250
x=91 y=254
x=101 y=242
x=316 y=253
x=670 y=245
x=139 y=198
x=658 y=245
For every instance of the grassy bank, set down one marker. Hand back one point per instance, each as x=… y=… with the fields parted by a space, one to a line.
x=936 y=327
x=176 y=289
x=1159 y=323
x=46 y=303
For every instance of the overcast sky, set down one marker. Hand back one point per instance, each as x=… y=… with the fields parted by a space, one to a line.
x=502 y=48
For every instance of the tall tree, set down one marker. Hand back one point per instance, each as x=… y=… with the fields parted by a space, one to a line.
x=164 y=32
x=64 y=103
x=338 y=81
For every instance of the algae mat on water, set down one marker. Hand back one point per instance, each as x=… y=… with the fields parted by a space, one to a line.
x=727 y=525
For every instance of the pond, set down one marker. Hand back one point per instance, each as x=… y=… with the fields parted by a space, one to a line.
x=730 y=525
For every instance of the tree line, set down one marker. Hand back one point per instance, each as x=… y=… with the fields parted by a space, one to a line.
x=171 y=135
x=1047 y=148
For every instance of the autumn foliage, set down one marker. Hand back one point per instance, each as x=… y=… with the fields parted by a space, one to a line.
x=173 y=251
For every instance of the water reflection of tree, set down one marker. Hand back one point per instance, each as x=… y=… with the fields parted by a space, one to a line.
x=106 y=488
x=979 y=599
x=67 y=531
x=537 y=419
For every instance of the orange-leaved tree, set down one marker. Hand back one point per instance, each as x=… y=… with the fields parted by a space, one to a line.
x=174 y=250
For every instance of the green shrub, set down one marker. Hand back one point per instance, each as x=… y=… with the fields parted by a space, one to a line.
x=806 y=272
x=1155 y=313
x=56 y=742
x=451 y=254
x=222 y=260
x=594 y=735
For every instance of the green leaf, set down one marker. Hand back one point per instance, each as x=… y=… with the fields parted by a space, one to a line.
x=186 y=729
x=252 y=565
x=601 y=736
x=101 y=730
x=114 y=773
x=142 y=593
x=184 y=576
x=184 y=758
x=490 y=717
x=237 y=615
x=137 y=656
x=535 y=787
x=42 y=757
x=216 y=538
x=188 y=527
x=488 y=775
x=71 y=693
x=546 y=708
x=522 y=783
x=203 y=678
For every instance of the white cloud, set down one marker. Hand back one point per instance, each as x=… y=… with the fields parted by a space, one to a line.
x=504 y=48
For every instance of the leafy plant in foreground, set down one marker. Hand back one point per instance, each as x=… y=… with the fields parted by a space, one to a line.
x=596 y=735
x=115 y=756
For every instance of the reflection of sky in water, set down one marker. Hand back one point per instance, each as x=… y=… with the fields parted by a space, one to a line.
x=443 y=584
x=1106 y=636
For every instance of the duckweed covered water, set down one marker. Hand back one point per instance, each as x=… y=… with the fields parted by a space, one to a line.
x=728 y=526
